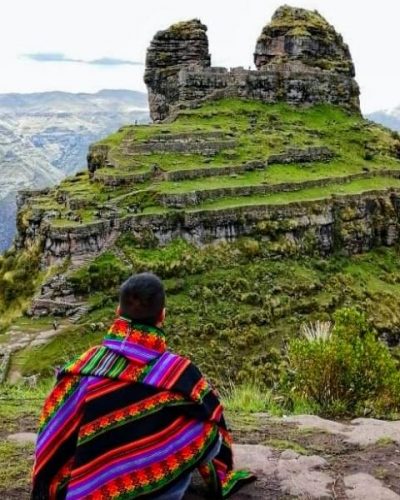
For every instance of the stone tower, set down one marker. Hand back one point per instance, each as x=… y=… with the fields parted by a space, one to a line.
x=299 y=56
x=183 y=45
x=300 y=35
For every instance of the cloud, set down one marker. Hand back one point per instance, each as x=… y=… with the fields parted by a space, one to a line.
x=110 y=61
x=59 y=57
x=49 y=57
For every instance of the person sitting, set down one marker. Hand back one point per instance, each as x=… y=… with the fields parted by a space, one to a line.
x=131 y=419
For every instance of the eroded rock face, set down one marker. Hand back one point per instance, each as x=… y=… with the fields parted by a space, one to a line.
x=300 y=59
x=355 y=224
x=182 y=45
x=296 y=34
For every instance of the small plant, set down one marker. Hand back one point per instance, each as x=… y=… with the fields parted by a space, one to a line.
x=318 y=331
x=344 y=369
x=249 y=398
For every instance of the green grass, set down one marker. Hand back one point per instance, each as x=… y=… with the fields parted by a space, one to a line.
x=258 y=130
x=231 y=307
x=249 y=398
x=318 y=193
x=70 y=343
x=283 y=444
x=15 y=467
x=19 y=412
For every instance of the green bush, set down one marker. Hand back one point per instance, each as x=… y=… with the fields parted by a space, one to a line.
x=18 y=274
x=105 y=273
x=350 y=371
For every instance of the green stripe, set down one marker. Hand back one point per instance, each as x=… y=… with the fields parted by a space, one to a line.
x=63 y=400
x=132 y=418
x=118 y=367
x=94 y=361
x=238 y=476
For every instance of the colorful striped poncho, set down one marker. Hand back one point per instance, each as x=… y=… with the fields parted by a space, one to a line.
x=128 y=419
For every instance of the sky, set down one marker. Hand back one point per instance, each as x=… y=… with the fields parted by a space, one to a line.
x=88 y=45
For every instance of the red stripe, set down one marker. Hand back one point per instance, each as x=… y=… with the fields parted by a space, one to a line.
x=163 y=382
x=141 y=444
x=183 y=365
x=104 y=387
x=157 y=398
x=50 y=449
x=217 y=413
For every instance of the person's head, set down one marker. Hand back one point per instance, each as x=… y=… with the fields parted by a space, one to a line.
x=142 y=299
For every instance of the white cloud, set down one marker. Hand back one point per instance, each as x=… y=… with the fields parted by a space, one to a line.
x=46 y=57
x=92 y=30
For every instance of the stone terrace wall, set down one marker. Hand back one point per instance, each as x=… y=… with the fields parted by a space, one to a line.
x=352 y=224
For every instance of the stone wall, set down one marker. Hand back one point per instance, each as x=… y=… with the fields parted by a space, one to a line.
x=193 y=198
x=291 y=155
x=352 y=224
x=300 y=59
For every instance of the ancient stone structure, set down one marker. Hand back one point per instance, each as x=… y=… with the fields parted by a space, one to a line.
x=355 y=224
x=183 y=45
x=300 y=35
x=299 y=56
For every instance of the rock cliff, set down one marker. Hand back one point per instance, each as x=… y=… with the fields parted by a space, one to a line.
x=183 y=45
x=301 y=35
x=299 y=56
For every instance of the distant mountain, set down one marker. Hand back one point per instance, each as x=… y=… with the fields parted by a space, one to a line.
x=45 y=136
x=389 y=117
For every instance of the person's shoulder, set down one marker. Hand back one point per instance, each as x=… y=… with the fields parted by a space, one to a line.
x=191 y=367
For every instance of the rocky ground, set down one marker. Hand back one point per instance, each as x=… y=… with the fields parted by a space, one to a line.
x=308 y=457
x=295 y=457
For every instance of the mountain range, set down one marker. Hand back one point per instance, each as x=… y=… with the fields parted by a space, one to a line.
x=45 y=136
x=387 y=117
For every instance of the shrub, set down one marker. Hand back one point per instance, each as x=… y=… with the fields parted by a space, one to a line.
x=350 y=370
x=105 y=273
x=18 y=274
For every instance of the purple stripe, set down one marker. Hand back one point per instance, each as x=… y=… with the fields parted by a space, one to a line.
x=63 y=413
x=132 y=464
x=105 y=364
x=131 y=349
x=158 y=370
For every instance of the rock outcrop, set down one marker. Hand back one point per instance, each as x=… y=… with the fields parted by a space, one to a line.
x=300 y=59
x=354 y=224
x=303 y=36
x=183 y=45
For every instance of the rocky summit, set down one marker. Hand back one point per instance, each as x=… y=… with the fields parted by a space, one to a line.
x=299 y=56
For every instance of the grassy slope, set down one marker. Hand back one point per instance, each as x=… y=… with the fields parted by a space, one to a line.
x=258 y=130
x=229 y=305
x=228 y=300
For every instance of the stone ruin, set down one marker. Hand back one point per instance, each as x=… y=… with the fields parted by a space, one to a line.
x=299 y=56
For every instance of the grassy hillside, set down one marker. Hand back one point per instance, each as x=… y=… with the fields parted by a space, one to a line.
x=232 y=307
x=146 y=164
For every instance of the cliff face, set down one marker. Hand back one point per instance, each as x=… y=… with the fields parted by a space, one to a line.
x=183 y=45
x=299 y=56
x=353 y=224
x=45 y=136
x=304 y=36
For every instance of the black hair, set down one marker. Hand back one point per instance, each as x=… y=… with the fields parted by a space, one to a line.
x=142 y=298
